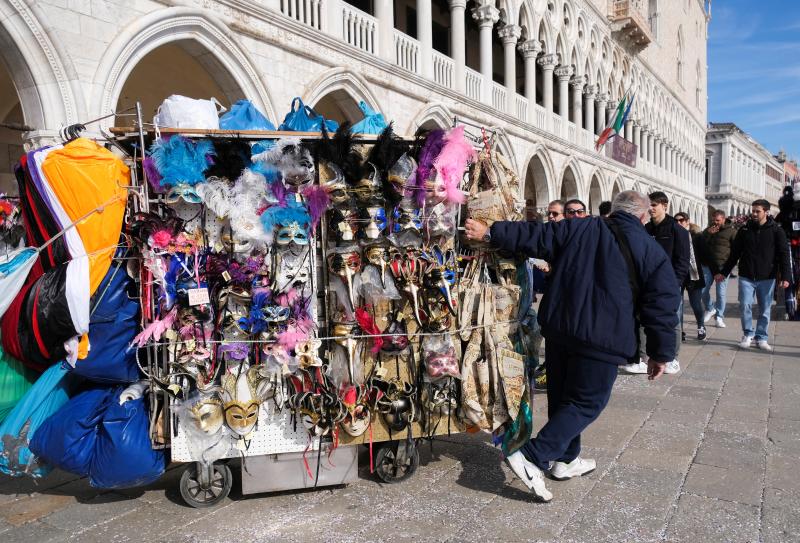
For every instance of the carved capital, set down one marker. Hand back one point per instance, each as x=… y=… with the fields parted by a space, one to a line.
x=530 y=48
x=486 y=15
x=590 y=91
x=550 y=60
x=602 y=97
x=563 y=73
x=578 y=81
x=509 y=34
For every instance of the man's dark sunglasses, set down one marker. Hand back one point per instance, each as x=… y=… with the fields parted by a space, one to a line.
x=553 y=213
x=580 y=211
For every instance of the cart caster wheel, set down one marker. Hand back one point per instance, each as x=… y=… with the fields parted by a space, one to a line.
x=396 y=461
x=199 y=495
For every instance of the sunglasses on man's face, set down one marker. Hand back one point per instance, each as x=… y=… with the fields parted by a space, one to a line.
x=553 y=213
x=580 y=211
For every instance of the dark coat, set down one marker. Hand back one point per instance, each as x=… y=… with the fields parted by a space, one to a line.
x=700 y=256
x=674 y=239
x=761 y=251
x=718 y=246
x=588 y=305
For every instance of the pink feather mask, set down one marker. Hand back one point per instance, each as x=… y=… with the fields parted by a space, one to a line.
x=456 y=155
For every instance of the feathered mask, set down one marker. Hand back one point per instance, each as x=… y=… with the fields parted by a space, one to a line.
x=450 y=165
x=427 y=156
x=180 y=160
x=293 y=213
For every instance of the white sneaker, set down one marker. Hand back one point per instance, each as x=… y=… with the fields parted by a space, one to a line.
x=746 y=342
x=708 y=315
x=562 y=471
x=763 y=345
x=720 y=322
x=532 y=476
x=672 y=367
x=637 y=367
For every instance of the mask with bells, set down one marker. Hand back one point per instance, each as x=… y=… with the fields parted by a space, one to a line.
x=346 y=266
x=358 y=417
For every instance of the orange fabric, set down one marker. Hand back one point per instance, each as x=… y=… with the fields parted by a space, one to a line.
x=85 y=175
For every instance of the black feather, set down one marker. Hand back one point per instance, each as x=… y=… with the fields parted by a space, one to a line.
x=232 y=157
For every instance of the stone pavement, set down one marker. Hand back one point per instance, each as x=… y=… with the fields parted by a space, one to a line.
x=706 y=455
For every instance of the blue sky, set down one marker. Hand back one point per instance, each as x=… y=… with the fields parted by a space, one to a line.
x=754 y=70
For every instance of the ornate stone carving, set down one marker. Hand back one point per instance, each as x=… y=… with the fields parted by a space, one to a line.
x=530 y=48
x=578 y=81
x=563 y=73
x=509 y=34
x=550 y=60
x=486 y=15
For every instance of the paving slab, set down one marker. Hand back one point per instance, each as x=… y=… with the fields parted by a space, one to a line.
x=699 y=518
x=781 y=518
x=742 y=486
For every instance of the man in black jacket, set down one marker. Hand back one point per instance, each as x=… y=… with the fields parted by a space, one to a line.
x=676 y=243
x=588 y=317
x=762 y=252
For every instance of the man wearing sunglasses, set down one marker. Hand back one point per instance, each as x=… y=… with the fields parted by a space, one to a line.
x=575 y=209
x=555 y=211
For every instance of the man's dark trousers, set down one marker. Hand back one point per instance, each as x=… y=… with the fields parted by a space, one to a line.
x=578 y=389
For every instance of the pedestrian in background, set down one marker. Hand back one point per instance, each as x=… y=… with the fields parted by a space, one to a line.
x=718 y=240
x=605 y=208
x=694 y=282
x=589 y=318
x=762 y=253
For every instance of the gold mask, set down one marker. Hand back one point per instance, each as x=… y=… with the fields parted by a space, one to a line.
x=241 y=404
x=207 y=415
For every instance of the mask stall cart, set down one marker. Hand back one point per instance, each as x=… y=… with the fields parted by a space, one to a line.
x=289 y=448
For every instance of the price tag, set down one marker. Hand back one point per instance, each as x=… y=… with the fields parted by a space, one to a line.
x=796 y=226
x=198 y=296
x=226 y=276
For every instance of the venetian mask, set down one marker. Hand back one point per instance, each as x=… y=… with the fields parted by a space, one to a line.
x=207 y=415
x=342 y=225
x=343 y=332
x=406 y=218
x=377 y=256
x=368 y=190
x=332 y=180
x=377 y=222
x=346 y=266
x=400 y=172
x=297 y=166
x=240 y=403
x=406 y=271
x=184 y=192
x=292 y=233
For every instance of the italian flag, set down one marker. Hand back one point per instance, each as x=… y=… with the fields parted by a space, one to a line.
x=616 y=123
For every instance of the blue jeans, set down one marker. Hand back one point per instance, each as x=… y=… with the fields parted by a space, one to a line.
x=722 y=288
x=762 y=291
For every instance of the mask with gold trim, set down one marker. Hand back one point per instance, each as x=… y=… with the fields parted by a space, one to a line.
x=207 y=415
x=240 y=403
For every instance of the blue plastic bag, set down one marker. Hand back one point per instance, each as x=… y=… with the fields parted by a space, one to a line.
x=123 y=456
x=302 y=118
x=46 y=396
x=372 y=123
x=243 y=115
x=67 y=439
x=113 y=324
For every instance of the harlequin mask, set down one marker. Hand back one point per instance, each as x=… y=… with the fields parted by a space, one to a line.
x=440 y=274
x=406 y=218
x=184 y=192
x=241 y=405
x=342 y=225
x=292 y=233
x=332 y=180
x=358 y=413
x=207 y=415
x=377 y=222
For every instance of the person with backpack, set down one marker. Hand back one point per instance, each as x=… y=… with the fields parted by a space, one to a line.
x=590 y=321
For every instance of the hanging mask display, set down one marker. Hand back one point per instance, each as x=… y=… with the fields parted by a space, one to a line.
x=292 y=233
x=332 y=180
x=240 y=404
x=368 y=190
x=346 y=266
x=375 y=218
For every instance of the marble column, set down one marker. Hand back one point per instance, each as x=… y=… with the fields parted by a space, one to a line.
x=637 y=136
x=486 y=16
x=509 y=35
x=600 y=103
x=530 y=50
x=384 y=13
x=548 y=63
x=563 y=73
x=458 y=44
x=590 y=91
x=425 y=37
x=577 y=83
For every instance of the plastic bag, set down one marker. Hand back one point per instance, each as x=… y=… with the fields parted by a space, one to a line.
x=302 y=118
x=45 y=397
x=372 y=123
x=183 y=112
x=113 y=325
x=14 y=268
x=15 y=381
x=67 y=439
x=123 y=456
x=440 y=357
x=245 y=116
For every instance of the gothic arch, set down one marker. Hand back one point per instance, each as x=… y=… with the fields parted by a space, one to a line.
x=570 y=180
x=536 y=185
x=435 y=112
x=228 y=63
x=46 y=82
x=347 y=81
x=503 y=144
x=541 y=156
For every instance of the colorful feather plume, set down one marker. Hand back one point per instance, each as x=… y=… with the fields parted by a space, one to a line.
x=277 y=215
x=180 y=160
x=427 y=156
x=295 y=333
x=151 y=172
x=231 y=158
x=385 y=153
x=367 y=323
x=456 y=154
x=156 y=329
x=318 y=200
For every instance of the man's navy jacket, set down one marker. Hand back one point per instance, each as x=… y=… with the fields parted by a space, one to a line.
x=588 y=305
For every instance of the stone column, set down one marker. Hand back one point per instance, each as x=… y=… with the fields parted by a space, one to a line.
x=611 y=110
x=637 y=136
x=600 y=123
x=384 y=12
x=645 y=139
x=509 y=35
x=651 y=148
x=563 y=73
x=590 y=91
x=577 y=84
x=530 y=50
x=425 y=37
x=629 y=130
x=486 y=16
x=548 y=63
x=458 y=44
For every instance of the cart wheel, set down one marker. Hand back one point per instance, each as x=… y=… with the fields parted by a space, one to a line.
x=396 y=461
x=196 y=494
